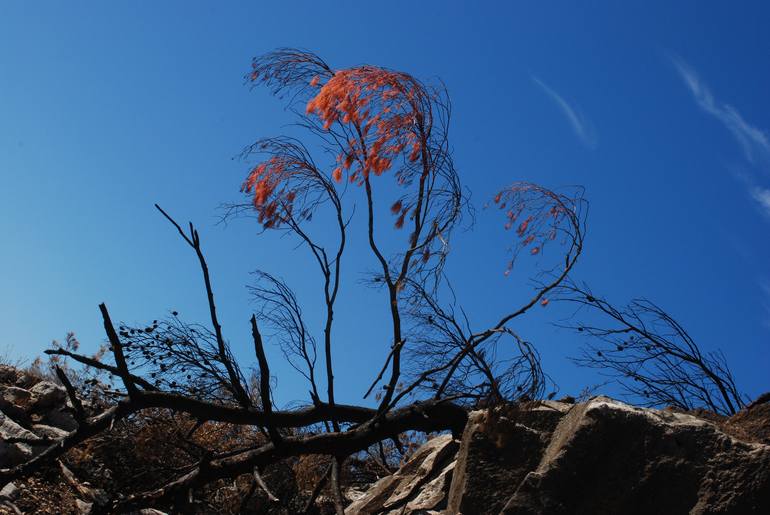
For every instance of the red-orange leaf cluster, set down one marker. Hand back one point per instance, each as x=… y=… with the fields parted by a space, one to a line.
x=382 y=111
x=380 y=120
x=273 y=200
x=540 y=214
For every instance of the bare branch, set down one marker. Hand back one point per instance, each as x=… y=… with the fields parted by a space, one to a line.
x=80 y=413
x=264 y=381
x=117 y=351
x=224 y=355
x=651 y=355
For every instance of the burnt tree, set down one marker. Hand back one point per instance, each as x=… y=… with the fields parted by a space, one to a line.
x=377 y=125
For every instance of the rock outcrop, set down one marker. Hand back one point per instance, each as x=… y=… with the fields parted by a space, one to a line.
x=419 y=486
x=546 y=457
x=600 y=456
x=29 y=417
x=608 y=457
x=33 y=413
x=497 y=451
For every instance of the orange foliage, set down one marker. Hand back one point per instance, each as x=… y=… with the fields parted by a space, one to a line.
x=381 y=120
x=400 y=220
x=267 y=181
x=383 y=111
x=382 y=114
x=544 y=214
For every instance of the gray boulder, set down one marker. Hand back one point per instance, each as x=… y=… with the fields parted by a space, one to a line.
x=16 y=403
x=499 y=447
x=48 y=394
x=83 y=507
x=14 y=452
x=8 y=374
x=60 y=418
x=600 y=456
x=608 y=457
x=9 y=492
x=415 y=487
x=14 y=395
x=50 y=432
x=432 y=495
x=26 y=380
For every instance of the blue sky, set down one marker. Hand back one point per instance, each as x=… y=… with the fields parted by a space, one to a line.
x=660 y=111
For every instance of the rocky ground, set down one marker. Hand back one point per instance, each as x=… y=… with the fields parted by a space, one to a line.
x=599 y=456
x=33 y=412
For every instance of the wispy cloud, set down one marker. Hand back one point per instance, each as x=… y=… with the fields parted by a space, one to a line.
x=755 y=144
x=762 y=196
x=580 y=124
x=754 y=141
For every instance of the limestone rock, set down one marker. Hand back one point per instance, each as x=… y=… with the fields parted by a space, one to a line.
x=84 y=508
x=751 y=424
x=48 y=394
x=16 y=403
x=26 y=380
x=60 y=418
x=432 y=494
x=353 y=494
x=542 y=416
x=599 y=456
x=609 y=457
x=496 y=453
x=14 y=395
x=44 y=431
x=393 y=494
x=8 y=375
x=9 y=491
x=12 y=453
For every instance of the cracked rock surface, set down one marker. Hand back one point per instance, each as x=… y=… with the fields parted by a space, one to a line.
x=599 y=456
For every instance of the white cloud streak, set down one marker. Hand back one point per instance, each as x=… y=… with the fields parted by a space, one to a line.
x=762 y=196
x=753 y=140
x=580 y=124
